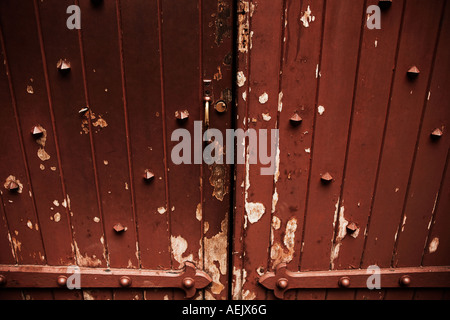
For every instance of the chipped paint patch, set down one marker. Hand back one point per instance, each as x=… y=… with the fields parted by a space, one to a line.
x=341 y=232
x=254 y=211
x=280 y=102
x=179 y=246
x=263 y=98
x=30 y=224
x=162 y=210
x=241 y=79
x=308 y=150
x=280 y=254
x=433 y=245
x=87 y=295
x=243 y=28
x=216 y=255
x=244 y=97
x=56 y=203
x=57 y=217
x=321 y=110
x=16 y=244
x=86 y=261
x=236 y=286
x=218 y=180
x=248 y=295
x=403 y=223
x=266 y=116
x=307 y=17
x=198 y=212
x=274 y=200
x=42 y=154
x=96 y=219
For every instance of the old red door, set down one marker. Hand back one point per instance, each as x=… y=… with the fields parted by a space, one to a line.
x=91 y=187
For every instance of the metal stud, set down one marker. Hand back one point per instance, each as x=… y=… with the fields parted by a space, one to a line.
x=119 y=228
x=2 y=280
x=437 y=133
x=344 y=282
x=295 y=119
x=148 y=175
x=405 y=281
x=125 y=281
x=12 y=186
x=37 y=131
x=326 y=177
x=282 y=283
x=62 y=281
x=413 y=72
x=384 y=4
x=63 y=65
x=188 y=282
x=181 y=114
x=352 y=227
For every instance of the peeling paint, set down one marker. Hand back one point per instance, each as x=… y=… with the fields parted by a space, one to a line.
x=96 y=219
x=280 y=102
x=307 y=17
x=215 y=250
x=254 y=211
x=266 y=116
x=263 y=98
x=179 y=246
x=57 y=217
x=321 y=110
x=42 y=154
x=243 y=27
x=198 y=212
x=56 y=203
x=86 y=261
x=433 y=245
x=341 y=232
x=161 y=210
x=274 y=200
x=30 y=224
x=248 y=295
x=218 y=180
x=241 y=80
x=280 y=254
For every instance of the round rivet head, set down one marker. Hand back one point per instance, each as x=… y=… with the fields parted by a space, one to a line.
x=125 y=281
x=344 y=282
x=188 y=283
x=2 y=280
x=405 y=281
x=62 y=281
x=220 y=106
x=282 y=283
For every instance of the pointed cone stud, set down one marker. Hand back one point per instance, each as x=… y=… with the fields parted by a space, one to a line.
x=182 y=114
x=37 y=131
x=119 y=228
x=63 y=65
x=351 y=227
x=384 y=4
x=326 y=178
x=295 y=119
x=12 y=186
x=148 y=175
x=413 y=72
x=437 y=133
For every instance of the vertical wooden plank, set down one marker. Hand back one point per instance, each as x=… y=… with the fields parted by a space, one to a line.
x=366 y=294
x=265 y=53
x=399 y=294
x=103 y=76
x=339 y=59
x=298 y=91
x=217 y=179
x=242 y=24
x=378 y=54
x=38 y=294
x=68 y=98
x=22 y=39
x=436 y=251
x=8 y=255
x=11 y=294
x=180 y=39
x=128 y=294
x=421 y=22
x=430 y=159
x=141 y=54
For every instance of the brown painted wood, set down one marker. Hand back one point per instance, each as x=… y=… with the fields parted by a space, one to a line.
x=430 y=160
x=405 y=112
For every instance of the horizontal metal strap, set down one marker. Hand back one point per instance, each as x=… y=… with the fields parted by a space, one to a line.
x=417 y=277
x=189 y=278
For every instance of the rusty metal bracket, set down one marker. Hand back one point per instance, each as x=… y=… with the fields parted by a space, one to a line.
x=190 y=279
x=418 y=277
